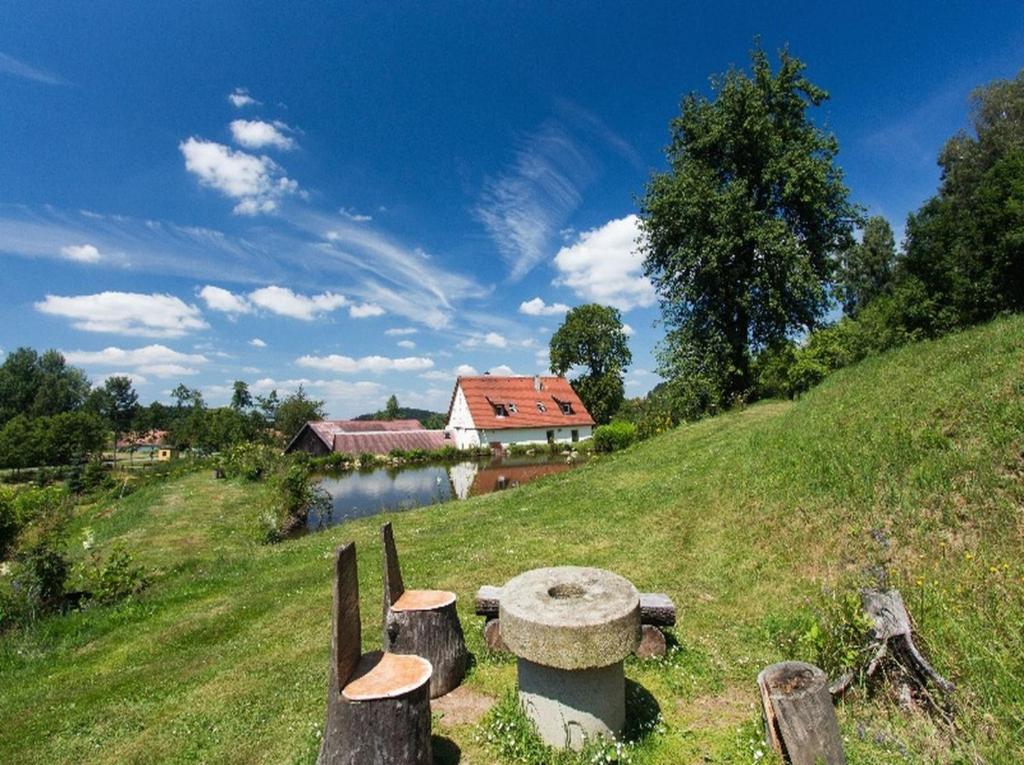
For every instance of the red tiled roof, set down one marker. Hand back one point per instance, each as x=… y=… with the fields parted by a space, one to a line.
x=327 y=429
x=482 y=390
x=383 y=442
x=149 y=438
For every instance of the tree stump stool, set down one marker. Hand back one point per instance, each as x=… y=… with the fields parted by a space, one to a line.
x=422 y=622
x=571 y=628
x=800 y=723
x=378 y=704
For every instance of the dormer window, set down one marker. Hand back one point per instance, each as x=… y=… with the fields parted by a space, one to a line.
x=512 y=408
x=500 y=410
x=541 y=407
x=566 y=407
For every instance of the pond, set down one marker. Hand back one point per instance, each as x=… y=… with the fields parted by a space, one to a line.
x=359 y=493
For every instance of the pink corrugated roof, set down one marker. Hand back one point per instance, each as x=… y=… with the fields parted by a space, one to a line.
x=383 y=442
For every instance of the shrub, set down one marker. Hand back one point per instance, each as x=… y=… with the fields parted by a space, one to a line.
x=614 y=436
x=117 y=577
x=251 y=461
x=41 y=572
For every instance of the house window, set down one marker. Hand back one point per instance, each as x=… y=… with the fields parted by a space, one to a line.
x=551 y=436
x=566 y=407
x=500 y=410
x=541 y=407
x=512 y=407
x=575 y=436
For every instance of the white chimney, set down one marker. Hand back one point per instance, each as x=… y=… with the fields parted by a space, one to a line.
x=537 y=384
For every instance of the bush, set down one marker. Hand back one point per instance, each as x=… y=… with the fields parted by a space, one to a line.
x=22 y=505
x=614 y=436
x=251 y=461
x=41 y=572
x=117 y=577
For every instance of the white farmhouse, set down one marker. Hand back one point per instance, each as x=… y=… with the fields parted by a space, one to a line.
x=487 y=410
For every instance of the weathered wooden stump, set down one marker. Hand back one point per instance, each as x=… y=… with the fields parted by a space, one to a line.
x=422 y=622
x=800 y=722
x=378 y=704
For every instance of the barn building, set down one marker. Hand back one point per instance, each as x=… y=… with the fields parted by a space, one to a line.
x=488 y=410
x=364 y=437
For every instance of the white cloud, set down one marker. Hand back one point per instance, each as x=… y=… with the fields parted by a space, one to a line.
x=283 y=301
x=126 y=313
x=604 y=266
x=365 y=311
x=257 y=182
x=628 y=331
x=537 y=307
x=240 y=97
x=219 y=299
x=347 y=364
x=503 y=370
x=492 y=339
x=82 y=253
x=257 y=134
x=407 y=344
x=462 y=370
x=157 y=360
x=137 y=379
x=399 y=331
x=257 y=343
x=542 y=358
x=354 y=216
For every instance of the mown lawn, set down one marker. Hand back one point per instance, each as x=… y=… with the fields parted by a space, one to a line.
x=912 y=463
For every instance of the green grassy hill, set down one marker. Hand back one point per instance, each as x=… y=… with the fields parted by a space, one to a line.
x=913 y=461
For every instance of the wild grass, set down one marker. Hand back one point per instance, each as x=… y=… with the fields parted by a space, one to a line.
x=907 y=467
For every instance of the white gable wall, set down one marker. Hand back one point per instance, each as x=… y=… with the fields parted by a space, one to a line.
x=509 y=436
x=460 y=423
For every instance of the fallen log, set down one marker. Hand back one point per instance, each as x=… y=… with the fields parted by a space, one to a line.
x=656 y=608
x=800 y=723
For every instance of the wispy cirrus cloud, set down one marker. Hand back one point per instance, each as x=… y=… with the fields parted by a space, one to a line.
x=524 y=207
x=15 y=68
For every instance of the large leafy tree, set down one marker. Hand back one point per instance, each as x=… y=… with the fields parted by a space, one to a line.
x=866 y=269
x=39 y=385
x=740 y=235
x=965 y=246
x=241 y=399
x=592 y=338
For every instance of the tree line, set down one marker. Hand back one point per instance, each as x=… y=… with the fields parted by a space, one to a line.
x=50 y=414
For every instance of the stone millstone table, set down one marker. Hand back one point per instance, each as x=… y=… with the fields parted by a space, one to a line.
x=571 y=628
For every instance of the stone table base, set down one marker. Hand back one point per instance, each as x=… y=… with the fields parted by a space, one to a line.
x=570 y=706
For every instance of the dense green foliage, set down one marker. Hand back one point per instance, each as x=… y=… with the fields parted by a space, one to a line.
x=614 y=436
x=965 y=246
x=39 y=385
x=758 y=523
x=62 y=439
x=866 y=269
x=592 y=338
x=296 y=410
x=742 y=231
x=394 y=411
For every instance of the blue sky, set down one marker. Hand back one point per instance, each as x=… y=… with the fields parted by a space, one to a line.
x=373 y=197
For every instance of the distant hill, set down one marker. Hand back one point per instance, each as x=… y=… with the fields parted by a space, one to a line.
x=431 y=420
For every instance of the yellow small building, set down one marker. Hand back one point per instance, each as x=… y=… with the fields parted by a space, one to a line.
x=165 y=453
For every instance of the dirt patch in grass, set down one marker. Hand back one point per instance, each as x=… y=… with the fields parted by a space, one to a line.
x=463 y=706
x=730 y=708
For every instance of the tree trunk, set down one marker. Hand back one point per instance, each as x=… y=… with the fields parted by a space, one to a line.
x=800 y=722
x=378 y=731
x=434 y=634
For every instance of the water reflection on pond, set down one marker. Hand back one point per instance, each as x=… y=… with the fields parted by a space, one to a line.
x=359 y=493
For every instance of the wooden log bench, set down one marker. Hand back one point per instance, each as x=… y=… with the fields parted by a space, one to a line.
x=423 y=623
x=656 y=611
x=378 y=704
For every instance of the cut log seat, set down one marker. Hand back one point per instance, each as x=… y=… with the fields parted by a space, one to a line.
x=423 y=600
x=382 y=675
x=656 y=608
